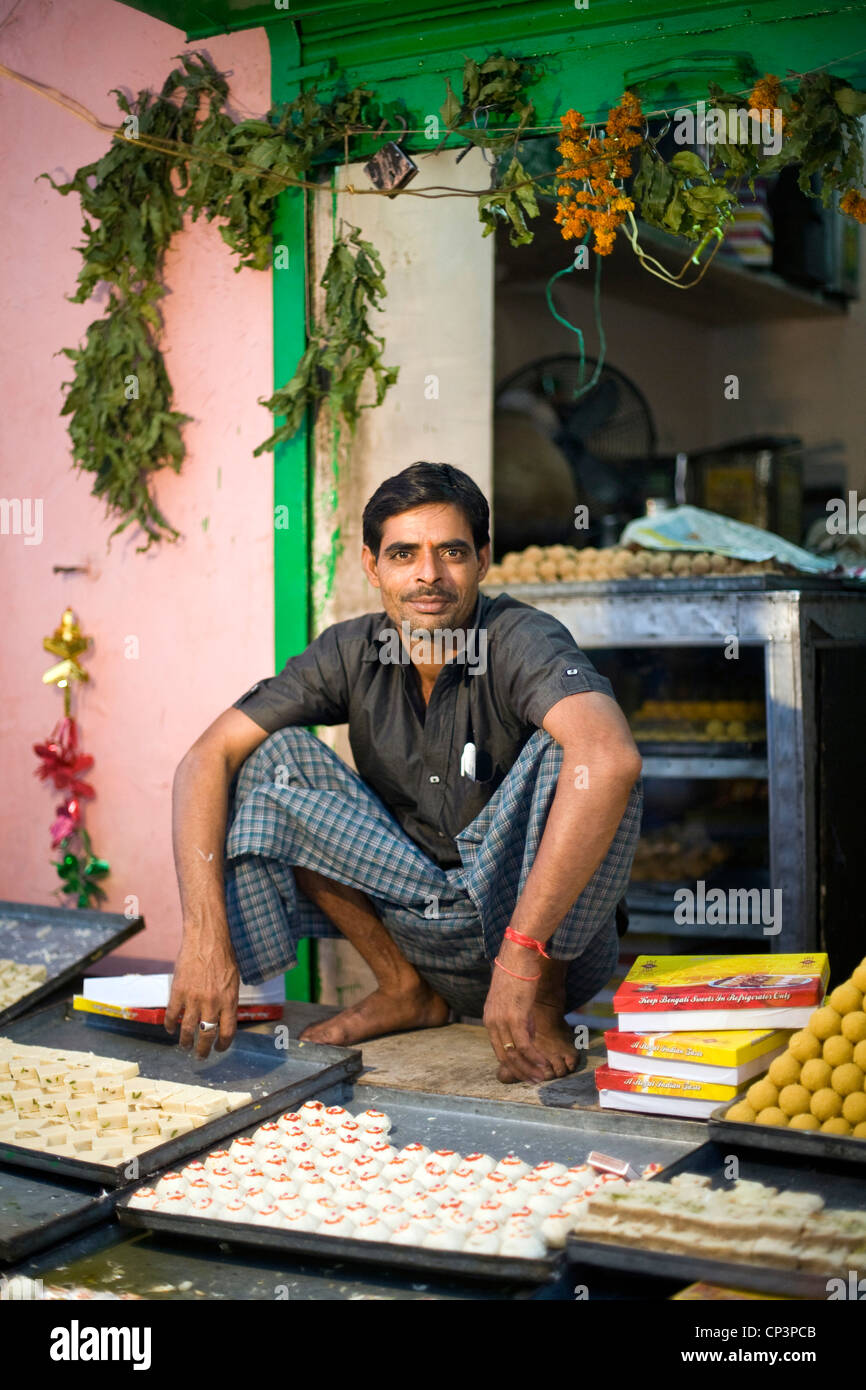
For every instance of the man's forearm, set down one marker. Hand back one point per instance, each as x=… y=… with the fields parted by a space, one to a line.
x=581 y=825
x=199 y=807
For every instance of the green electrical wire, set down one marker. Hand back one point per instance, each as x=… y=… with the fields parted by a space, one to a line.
x=559 y=319
x=572 y=328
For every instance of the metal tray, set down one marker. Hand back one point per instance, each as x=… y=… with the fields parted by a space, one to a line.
x=63 y=939
x=37 y=1211
x=708 y=584
x=490 y=1268
x=178 y=1268
x=277 y=1077
x=829 y=1180
x=700 y=748
x=773 y=1140
x=468 y=1125
x=656 y=895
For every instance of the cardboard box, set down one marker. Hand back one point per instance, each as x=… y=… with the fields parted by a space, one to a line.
x=721 y=993
x=661 y=1095
x=728 y=1058
x=144 y=998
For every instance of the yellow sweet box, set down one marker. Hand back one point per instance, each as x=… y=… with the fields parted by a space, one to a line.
x=721 y=993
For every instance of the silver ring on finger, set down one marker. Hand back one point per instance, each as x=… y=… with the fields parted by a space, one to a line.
x=208 y=1027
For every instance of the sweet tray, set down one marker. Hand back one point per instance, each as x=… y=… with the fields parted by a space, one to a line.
x=832 y=1181
x=278 y=1078
x=64 y=940
x=37 y=1211
x=676 y=584
x=779 y=1140
x=700 y=748
x=467 y=1125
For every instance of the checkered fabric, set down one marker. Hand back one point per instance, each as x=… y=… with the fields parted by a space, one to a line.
x=294 y=802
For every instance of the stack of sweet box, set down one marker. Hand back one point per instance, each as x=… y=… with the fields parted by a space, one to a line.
x=694 y=1031
x=750 y=235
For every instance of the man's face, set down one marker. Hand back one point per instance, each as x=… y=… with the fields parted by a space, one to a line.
x=427 y=568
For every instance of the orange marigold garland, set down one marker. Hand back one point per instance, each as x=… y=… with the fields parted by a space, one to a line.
x=768 y=94
x=854 y=204
x=765 y=93
x=589 y=199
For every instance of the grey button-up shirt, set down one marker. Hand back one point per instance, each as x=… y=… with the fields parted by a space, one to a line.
x=518 y=663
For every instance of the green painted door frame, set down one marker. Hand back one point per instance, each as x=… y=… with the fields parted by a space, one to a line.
x=403 y=50
x=292 y=542
x=585 y=53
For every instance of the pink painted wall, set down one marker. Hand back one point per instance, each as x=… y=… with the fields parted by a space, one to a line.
x=202 y=609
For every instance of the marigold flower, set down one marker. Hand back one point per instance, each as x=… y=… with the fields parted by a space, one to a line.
x=854 y=204
x=765 y=93
x=588 y=196
x=765 y=97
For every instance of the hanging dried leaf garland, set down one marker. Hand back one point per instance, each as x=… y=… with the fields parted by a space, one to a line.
x=511 y=200
x=821 y=128
x=497 y=87
x=343 y=350
x=168 y=161
x=122 y=426
x=818 y=129
x=682 y=196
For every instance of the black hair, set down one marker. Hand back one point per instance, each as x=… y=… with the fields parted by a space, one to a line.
x=421 y=483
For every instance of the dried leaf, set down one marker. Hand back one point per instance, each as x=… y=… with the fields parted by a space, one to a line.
x=344 y=352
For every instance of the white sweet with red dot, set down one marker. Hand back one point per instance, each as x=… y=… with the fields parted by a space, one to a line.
x=319 y=1169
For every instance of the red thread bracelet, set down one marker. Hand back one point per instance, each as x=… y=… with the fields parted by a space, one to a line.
x=528 y=941
x=498 y=962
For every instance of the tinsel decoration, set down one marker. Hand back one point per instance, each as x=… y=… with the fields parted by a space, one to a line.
x=62 y=762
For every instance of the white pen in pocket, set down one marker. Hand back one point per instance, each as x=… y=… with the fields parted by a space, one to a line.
x=467 y=761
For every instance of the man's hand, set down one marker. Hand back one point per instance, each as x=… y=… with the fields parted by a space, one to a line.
x=204 y=989
x=508 y=1019
x=600 y=765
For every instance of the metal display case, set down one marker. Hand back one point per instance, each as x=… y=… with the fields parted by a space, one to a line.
x=812 y=633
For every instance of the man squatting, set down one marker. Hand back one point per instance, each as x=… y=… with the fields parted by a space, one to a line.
x=478 y=856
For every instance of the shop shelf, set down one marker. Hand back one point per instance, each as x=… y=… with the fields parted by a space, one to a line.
x=807 y=637
x=694 y=765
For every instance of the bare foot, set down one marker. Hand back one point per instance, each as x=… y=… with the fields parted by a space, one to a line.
x=381 y=1012
x=554 y=1038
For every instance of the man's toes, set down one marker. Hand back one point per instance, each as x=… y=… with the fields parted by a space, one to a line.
x=322 y=1033
x=559 y=1067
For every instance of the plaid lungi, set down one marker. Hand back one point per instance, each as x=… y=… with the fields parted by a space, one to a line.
x=294 y=802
